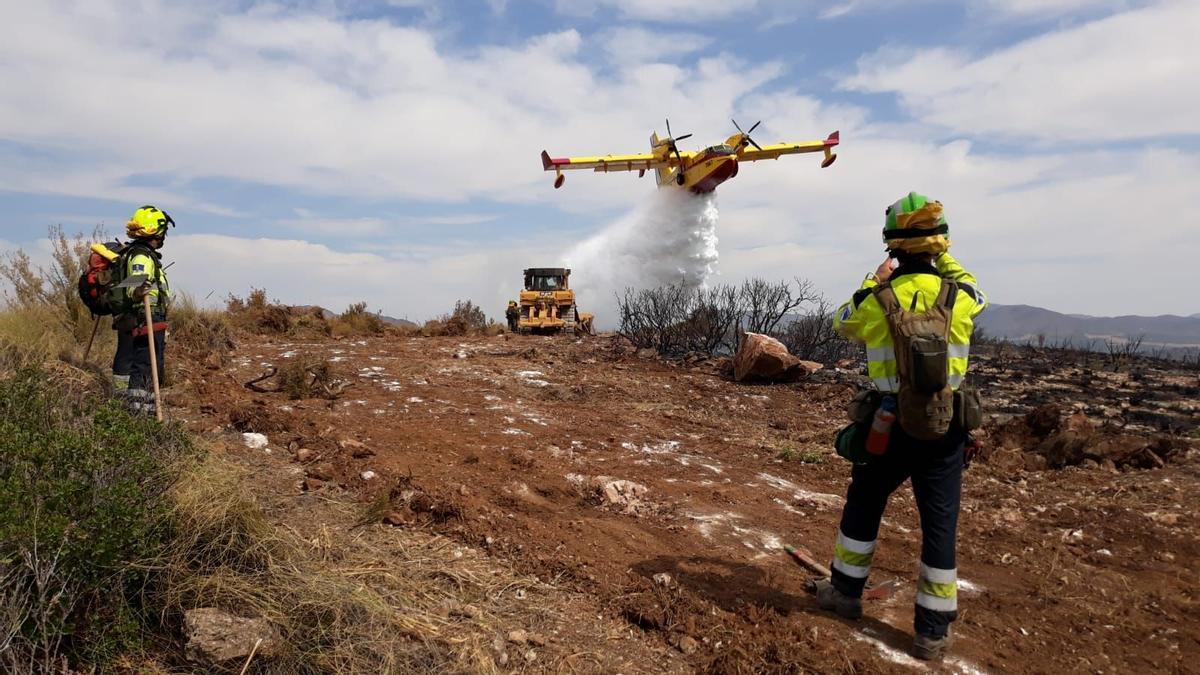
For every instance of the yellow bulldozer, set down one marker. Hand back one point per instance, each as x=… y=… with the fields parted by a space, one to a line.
x=548 y=304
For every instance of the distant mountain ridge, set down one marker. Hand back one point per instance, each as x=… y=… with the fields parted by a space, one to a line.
x=391 y=320
x=1025 y=322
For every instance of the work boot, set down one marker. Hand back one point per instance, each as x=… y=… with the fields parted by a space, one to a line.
x=831 y=599
x=138 y=400
x=929 y=647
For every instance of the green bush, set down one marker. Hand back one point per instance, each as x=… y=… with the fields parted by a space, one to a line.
x=82 y=509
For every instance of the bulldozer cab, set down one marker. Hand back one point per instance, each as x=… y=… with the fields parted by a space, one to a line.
x=546 y=279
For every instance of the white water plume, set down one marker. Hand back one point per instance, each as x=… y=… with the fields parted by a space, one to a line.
x=670 y=239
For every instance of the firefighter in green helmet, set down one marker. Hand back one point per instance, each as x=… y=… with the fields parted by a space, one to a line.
x=914 y=315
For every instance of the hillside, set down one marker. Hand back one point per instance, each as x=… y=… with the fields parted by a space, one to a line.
x=659 y=495
x=1024 y=322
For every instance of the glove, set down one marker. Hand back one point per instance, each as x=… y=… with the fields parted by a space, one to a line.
x=971 y=451
x=141 y=292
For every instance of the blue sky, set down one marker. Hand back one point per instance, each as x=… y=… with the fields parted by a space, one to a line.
x=388 y=151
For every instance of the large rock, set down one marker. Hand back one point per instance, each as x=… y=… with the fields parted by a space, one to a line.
x=215 y=638
x=762 y=357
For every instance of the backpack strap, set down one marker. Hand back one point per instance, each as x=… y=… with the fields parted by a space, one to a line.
x=886 y=296
x=947 y=295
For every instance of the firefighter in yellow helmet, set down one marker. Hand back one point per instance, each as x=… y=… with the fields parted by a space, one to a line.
x=147 y=231
x=915 y=321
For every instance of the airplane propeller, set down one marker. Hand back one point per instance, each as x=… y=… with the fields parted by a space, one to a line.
x=746 y=134
x=674 y=148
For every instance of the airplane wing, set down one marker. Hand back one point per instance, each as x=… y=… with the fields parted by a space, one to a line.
x=607 y=162
x=752 y=154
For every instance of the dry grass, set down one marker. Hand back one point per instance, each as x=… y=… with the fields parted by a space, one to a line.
x=308 y=376
x=255 y=314
x=200 y=330
x=342 y=602
x=356 y=320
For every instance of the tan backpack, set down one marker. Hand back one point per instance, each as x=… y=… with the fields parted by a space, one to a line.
x=926 y=400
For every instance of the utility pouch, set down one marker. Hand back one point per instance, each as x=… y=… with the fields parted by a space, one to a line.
x=863 y=406
x=126 y=322
x=968 y=408
x=851 y=443
x=930 y=363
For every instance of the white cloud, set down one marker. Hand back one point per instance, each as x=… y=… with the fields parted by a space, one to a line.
x=1052 y=7
x=636 y=44
x=1128 y=76
x=310 y=101
x=366 y=108
x=677 y=11
x=419 y=284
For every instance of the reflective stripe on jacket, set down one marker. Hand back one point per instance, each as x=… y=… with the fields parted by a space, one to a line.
x=862 y=319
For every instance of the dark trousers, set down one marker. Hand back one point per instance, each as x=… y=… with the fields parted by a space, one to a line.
x=139 y=372
x=935 y=468
x=123 y=358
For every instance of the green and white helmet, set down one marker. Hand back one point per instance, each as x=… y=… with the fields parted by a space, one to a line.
x=916 y=224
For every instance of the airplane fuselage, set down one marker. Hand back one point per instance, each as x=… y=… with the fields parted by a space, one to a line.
x=704 y=172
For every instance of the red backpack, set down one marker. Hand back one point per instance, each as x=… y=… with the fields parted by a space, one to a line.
x=100 y=275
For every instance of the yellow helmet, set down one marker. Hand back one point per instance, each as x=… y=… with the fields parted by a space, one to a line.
x=916 y=224
x=148 y=222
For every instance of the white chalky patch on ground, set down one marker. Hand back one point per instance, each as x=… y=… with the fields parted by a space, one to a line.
x=655 y=449
x=759 y=539
x=533 y=377
x=894 y=655
x=788 y=507
x=517 y=432
x=286 y=355
x=964 y=667
x=799 y=493
x=536 y=420
x=336 y=359
x=415 y=399
x=491 y=397
x=706 y=522
x=964 y=585
x=420 y=381
x=510 y=419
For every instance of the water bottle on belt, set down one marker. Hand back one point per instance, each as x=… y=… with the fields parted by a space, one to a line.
x=881 y=426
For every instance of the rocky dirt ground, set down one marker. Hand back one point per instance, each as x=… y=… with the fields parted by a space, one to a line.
x=649 y=501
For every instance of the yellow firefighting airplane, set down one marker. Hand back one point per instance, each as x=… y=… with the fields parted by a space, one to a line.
x=700 y=171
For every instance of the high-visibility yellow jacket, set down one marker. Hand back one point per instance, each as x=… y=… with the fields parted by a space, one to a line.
x=143 y=260
x=862 y=319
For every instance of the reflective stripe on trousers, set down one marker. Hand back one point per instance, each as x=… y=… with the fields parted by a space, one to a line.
x=937 y=589
x=853 y=557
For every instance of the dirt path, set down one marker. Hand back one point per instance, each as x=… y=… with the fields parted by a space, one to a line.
x=508 y=446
